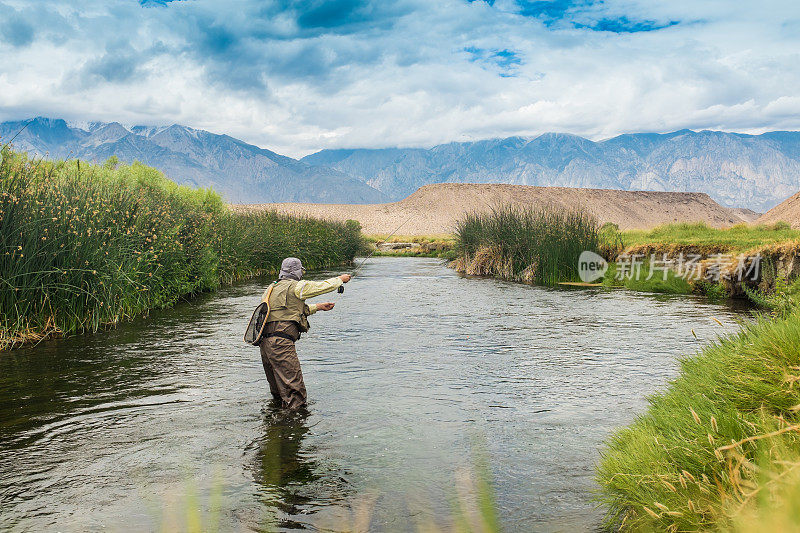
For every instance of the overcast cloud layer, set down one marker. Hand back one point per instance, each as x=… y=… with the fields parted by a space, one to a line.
x=300 y=76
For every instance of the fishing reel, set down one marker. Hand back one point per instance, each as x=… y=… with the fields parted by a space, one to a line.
x=340 y=290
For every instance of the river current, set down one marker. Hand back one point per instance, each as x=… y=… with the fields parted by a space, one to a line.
x=416 y=378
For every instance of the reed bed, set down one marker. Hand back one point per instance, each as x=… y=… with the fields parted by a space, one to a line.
x=720 y=448
x=535 y=245
x=86 y=246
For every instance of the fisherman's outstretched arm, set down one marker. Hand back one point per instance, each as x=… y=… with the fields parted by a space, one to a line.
x=309 y=289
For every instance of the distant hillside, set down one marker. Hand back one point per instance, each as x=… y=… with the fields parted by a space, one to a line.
x=434 y=209
x=787 y=211
x=737 y=170
x=239 y=171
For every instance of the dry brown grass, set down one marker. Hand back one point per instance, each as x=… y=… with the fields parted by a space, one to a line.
x=29 y=335
x=487 y=261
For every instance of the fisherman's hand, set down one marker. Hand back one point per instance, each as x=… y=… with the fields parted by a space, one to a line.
x=345 y=278
x=327 y=306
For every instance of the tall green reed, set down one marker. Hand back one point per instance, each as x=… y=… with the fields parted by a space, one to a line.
x=82 y=247
x=533 y=244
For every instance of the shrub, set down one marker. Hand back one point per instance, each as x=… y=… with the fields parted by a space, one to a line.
x=612 y=241
x=84 y=246
x=781 y=226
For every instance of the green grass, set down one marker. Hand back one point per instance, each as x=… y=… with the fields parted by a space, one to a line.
x=770 y=242
x=537 y=245
x=737 y=238
x=420 y=239
x=673 y=284
x=84 y=246
x=438 y=246
x=715 y=448
x=776 y=509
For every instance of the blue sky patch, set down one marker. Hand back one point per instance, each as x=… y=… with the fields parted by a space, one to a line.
x=552 y=10
x=625 y=25
x=504 y=61
x=595 y=15
x=16 y=31
x=329 y=14
x=155 y=3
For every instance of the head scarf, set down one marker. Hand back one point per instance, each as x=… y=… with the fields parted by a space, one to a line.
x=292 y=268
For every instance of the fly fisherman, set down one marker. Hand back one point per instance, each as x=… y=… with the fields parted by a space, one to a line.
x=287 y=319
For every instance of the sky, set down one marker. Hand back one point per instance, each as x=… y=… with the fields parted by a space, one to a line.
x=300 y=76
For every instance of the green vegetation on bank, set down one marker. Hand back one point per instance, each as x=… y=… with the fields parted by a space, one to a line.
x=648 y=281
x=534 y=245
x=720 y=449
x=780 y=298
x=85 y=246
x=543 y=246
x=776 y=245
x=738 y=238
x=438 y=246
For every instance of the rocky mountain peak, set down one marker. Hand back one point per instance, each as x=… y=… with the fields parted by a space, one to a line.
x=241 y=172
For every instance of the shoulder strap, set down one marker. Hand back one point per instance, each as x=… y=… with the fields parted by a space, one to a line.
x=266 y=299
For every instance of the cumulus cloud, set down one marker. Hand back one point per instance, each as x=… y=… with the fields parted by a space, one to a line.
x=298 y=76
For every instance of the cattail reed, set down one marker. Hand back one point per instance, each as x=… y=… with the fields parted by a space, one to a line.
x=540 y=245
x=79 y=251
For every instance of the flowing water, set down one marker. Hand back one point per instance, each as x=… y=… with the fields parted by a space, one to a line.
x=414 y=377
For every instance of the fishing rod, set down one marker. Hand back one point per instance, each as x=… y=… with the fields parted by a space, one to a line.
x=340 y=290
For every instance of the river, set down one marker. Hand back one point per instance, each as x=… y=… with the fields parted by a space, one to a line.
x=415 y=376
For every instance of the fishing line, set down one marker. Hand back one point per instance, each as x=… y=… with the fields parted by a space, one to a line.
x=340 y=290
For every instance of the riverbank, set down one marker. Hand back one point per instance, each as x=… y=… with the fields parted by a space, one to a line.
x=760 y=263
x=433 y=246
x=720 y=448
x=84 y=246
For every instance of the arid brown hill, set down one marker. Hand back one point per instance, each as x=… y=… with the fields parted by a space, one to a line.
x=434 y=209
x=786 y=211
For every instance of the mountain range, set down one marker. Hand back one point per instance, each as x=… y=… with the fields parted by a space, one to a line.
x=241 y=172
x=736 y=170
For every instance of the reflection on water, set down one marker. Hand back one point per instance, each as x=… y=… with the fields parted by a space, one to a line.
x=113 y=431
x=289 y=479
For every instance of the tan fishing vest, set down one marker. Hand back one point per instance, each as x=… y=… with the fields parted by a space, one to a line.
x=284 y=305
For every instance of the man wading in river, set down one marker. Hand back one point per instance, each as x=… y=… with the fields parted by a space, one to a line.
x=287 y=319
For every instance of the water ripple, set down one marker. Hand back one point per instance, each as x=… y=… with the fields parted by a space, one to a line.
x=110 y=430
